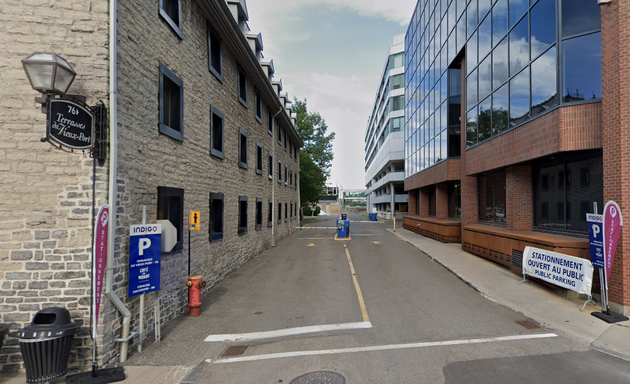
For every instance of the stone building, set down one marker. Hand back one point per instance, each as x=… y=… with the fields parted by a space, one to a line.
x=195 y=122
x=515 y=124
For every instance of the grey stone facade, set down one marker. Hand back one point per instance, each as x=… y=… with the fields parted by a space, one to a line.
x=46 y=209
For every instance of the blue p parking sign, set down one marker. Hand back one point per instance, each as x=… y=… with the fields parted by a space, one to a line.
x=145 y=251
x=596 y=238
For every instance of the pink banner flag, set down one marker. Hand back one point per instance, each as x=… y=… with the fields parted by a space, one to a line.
x=612 y=230
x=99 y=262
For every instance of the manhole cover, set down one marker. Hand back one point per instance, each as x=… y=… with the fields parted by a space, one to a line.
x=320 y=377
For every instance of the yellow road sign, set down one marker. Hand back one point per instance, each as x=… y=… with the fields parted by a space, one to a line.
x=194 y=219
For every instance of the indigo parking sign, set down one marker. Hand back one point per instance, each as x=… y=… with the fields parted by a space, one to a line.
x=145 y=247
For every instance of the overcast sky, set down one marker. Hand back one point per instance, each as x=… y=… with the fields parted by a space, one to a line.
x=332 y=53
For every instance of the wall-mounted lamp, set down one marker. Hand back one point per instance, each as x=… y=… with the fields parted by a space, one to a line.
x=601 y=2
x=49 y=74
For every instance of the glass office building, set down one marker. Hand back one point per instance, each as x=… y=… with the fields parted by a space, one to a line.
x=507 y=126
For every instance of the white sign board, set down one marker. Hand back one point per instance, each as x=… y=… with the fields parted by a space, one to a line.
x=565 y=271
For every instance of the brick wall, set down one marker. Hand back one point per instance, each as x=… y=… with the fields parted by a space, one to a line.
x=616 y=142
x=520 y=198
x=424 y=202
x=441 y=201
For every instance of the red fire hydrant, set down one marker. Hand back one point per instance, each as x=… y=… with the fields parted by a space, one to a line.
x=195 y=283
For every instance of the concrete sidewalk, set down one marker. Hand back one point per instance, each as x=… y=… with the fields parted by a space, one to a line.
x=533 y=300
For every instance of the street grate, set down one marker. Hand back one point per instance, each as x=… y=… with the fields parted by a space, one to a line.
x=234 y=350
x=527 y=324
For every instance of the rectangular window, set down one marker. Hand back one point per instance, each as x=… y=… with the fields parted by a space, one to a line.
x=585 y=178
x=270 y=166
x=286 y=211
x=285 y=140
x=432 y=201
x=398 y=103
x=269 y=122
x=279 y=171
x=279 y=211
x=279 y=133
x=398 y=81
x=291 y=210
x=270 y=214
x=258 y=103
x=291 y=178
x=242 y=86
x=215 y=61
x=171 y=104
x=171 y=208
x=242 y=149
x=259 y=158
x=242 y=215
x=290 y=148
x=215 y=227
x=259 y=214
x=216 y=133
x=171 y=12
x=492 y=198
x=555 y=199
x=286 y=175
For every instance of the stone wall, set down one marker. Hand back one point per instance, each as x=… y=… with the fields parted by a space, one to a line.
x=46 y=204
x=46 y=209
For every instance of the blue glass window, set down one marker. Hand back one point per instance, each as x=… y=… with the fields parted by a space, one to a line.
x=471 y=127
x=519 y=98
x=500 y=72
x=461 y=7
x=471 y=89
x=543 y=25
x=500 y=104
x=499 y=21
x=471 y=53
x=471 y=17
x=579 y=16
x=461 y=33
x=485 y=77
x=544 y=92
x=485 y=120
x=519 y=47
x=582 y=68
x=484 y=8
x=517 y=9
x=485 y=38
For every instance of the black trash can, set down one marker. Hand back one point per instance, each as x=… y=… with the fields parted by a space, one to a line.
x=46 y=344
x=4 y=330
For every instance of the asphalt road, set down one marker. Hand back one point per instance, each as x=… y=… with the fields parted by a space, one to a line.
x=373 y=309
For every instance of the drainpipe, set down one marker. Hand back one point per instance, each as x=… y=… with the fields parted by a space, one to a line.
x=113 y=175
x=273 y=183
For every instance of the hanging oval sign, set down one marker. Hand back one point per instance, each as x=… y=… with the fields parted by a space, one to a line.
x=70 y=124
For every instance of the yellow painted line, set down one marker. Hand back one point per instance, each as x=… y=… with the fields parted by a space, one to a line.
x=356 y=287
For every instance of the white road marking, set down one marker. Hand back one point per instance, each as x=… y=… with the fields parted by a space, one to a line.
x=287 y=332
x=380 y=348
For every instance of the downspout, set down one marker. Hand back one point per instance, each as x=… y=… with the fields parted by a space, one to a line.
x=113 y=175
x=273 y=182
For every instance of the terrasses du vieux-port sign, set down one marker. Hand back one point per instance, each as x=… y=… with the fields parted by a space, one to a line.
x=70 y=124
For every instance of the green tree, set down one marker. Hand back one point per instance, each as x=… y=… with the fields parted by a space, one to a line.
x=316 y=156
x=312 y=180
